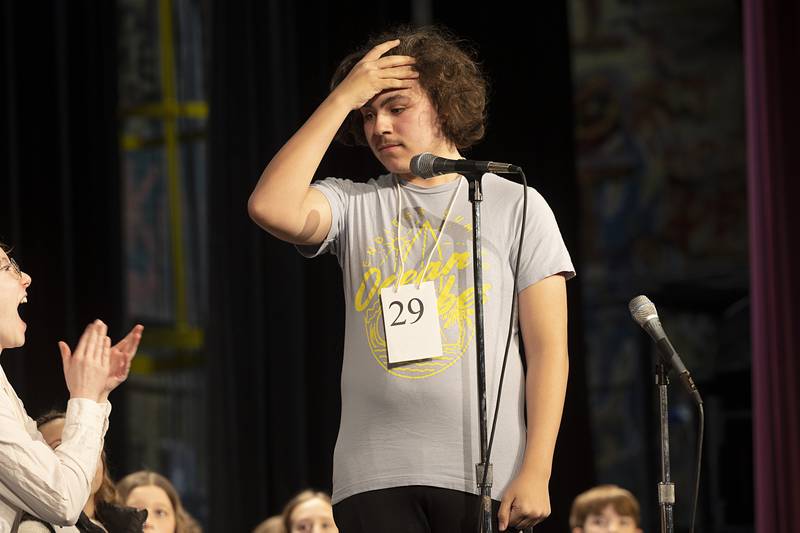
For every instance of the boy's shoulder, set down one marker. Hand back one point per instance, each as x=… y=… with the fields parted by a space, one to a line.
x=349 y=185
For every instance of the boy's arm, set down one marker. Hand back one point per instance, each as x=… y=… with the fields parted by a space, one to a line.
x=282 y=202
x=543 y=322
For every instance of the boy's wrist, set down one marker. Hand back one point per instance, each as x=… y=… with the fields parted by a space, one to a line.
x=339 y=101
x=533 y=467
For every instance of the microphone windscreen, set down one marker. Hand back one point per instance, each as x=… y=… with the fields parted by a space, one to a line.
x=422 y=165
x=642 y=309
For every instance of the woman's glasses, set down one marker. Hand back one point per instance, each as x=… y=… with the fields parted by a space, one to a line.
x=13 y=267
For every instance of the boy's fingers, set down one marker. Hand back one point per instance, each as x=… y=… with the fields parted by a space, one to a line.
x=395 y=61
x=514 y=516
x=381 y=49
x=398 y=73
x=502 y=514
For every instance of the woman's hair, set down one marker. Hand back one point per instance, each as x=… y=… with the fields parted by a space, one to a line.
x=184 y=523
x=301 y=498
x=594 y=500
x=448 y=73
x=107 y=492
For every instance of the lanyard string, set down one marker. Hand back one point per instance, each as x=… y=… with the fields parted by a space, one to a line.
x=438 y=237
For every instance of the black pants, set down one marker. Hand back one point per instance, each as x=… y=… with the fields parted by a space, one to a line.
x=415 y=509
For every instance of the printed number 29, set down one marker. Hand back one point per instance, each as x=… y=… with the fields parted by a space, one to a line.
x=417 y=310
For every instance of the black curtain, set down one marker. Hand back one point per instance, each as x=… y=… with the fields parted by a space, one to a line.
x=275 y=328
x=275 y=333
x=60 y=201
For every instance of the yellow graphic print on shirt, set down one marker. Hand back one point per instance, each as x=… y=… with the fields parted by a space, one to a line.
x=450 y=270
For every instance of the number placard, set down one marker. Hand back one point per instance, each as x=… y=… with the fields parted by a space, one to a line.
x=411 y=323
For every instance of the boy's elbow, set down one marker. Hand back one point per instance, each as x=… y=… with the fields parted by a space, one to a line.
x=259 y=212
x=281 y=223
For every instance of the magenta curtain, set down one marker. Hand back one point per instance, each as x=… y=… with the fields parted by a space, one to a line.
x=772 y=59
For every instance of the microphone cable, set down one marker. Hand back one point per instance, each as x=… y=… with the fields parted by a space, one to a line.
x=700 y=430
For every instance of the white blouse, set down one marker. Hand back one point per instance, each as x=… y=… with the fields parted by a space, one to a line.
x=51 y=484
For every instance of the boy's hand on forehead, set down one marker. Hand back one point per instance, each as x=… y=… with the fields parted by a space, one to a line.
x=375 y=74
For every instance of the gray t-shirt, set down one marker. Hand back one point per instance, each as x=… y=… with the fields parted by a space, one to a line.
x=417 y=424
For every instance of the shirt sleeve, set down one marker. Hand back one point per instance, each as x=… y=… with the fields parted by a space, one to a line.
x=543 y=250
x=32 y=526
x=337 y=192
x=53 y=485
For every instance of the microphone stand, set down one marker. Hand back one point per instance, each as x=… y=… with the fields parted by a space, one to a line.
x=483 y=470
x=666 y=489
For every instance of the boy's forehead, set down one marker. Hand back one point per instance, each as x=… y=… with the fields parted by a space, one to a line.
x=608 y=510
x=390 y=94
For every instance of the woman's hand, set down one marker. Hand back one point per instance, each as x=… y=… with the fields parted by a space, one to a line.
x=121 y=356
x=374 y=74
x=87 y=369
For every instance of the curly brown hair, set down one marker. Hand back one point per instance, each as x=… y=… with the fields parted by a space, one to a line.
x=448 y=72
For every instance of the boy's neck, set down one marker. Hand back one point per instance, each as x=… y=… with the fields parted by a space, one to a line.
x=448 y=152
x=428 y=182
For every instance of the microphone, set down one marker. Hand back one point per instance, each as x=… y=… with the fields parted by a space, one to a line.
x=427 y=165
x=644 y=313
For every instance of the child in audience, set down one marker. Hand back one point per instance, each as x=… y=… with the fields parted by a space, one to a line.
x=605 y=508
x=153 y=492
x=309 y=512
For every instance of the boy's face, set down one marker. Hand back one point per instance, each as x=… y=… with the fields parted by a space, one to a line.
x=608 y=521
x=400 y=124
